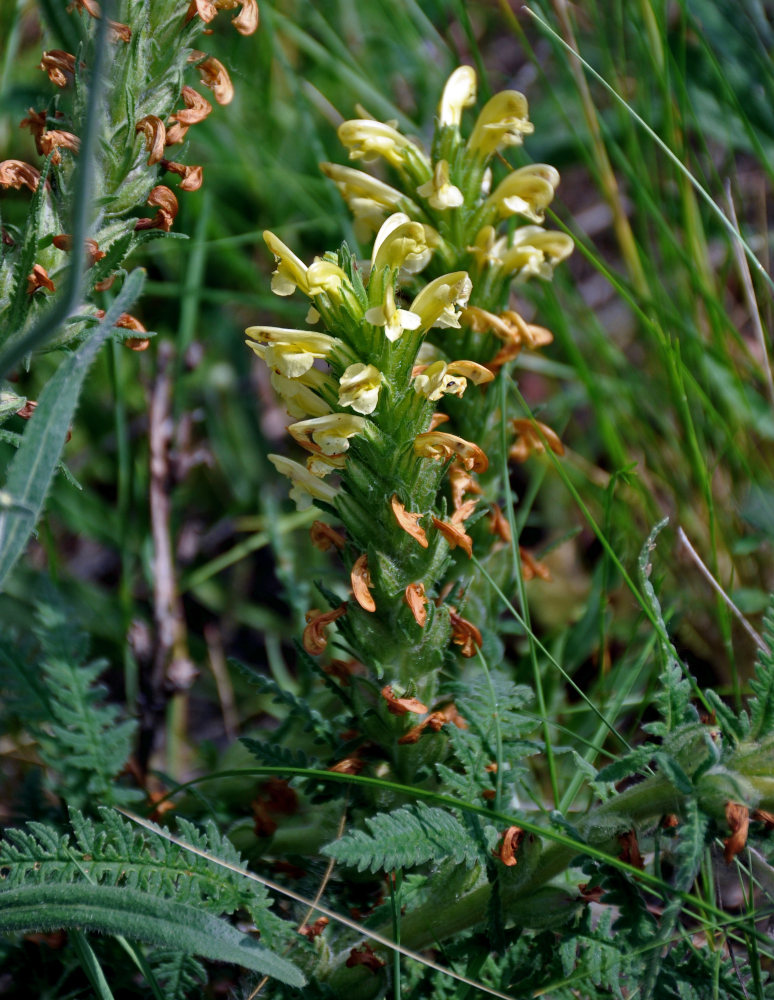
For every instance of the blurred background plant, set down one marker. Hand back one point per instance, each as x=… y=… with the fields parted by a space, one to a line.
x=177 y=548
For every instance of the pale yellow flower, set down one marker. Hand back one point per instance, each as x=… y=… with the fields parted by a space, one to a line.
x=534 y=251
x=503 y=121
x=367 y=140
x=459 y=93
x=290 y=352
x=439 y=190
x=527 y=191
x=306 y=487
x=439 y=301
x=299 y=398
x=401 y=244
x=330 y=433
x=291 y=271
x=359 y=387
x=489 y=247
x=394 y=320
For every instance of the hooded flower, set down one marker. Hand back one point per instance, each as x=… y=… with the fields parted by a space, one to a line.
x=440 y=447
x=439 y=190
x=534 y=251
x=306 y=487
x=527 y=191
x=503 y=121
x=359 y=387
x=438 y=302
x=290 y=352
x=367 y=140
x=330 y=433
x=439 y=378
x=459 y=93
x=402 y=244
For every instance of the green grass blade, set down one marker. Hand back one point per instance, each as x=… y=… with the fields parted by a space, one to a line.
x=140 y=916
x=36 y=461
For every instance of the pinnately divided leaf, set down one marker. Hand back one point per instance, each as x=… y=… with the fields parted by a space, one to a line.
x=762 y=705
x=409 y=836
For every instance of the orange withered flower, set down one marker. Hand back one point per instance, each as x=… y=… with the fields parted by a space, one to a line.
x=464 y=633
x=531 y=567
x=57 y=139
x=349 y=765
x=365 y=955
x=15 y=173
x=360 y=579
x=738 y=819
x=461 y=483
x=196 y=110
x=63 y=241
x=408 y=521
x=441 y=447
x=38 y=278
x=498 y=524
x=164 y=199
x=455 y=535
x=213 y=74
x=532 y=437
x=155 y=132
x=315 y=639
x=246 y=21
x=192 y=175
x=415 y=597
x=437 y=419
x=36 y=123
x=324 y=537
x=402 y=706
x=59 y=65
x=509 y=846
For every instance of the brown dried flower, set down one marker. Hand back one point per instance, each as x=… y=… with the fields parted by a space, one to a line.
x=441 y=447
x=402 y=706
x=455 y=535
x=416 y=599
x=155 y=132
x=55 y=140
x=360 y=579
x=15 y=173
x=531 y=567
x=461 y=483
x=38 y=278
x=314 y=639
x=213 y=74
x=464 y=633
x=192 y=175
x=164 y=199
x=364 y=955
x=246 y=21
x=498 y=524
x=738 y=819
x=529 y=439
x=408 y=521
x=509 y=846
x=63 y=241
x=59 y=65
x=630 y=849
x=311 y=931
x=324 y=537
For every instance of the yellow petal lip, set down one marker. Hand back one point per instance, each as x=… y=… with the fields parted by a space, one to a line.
x=330 y=433
x=401 y=243
x=359 y=387
x=306 y=487
x=439 y=300
x=459 y=93
x=527 y=191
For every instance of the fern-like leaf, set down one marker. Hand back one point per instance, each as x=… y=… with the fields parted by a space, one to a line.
x=409 y=836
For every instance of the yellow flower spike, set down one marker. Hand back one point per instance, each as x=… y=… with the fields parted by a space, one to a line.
x=291 y=271
x=527 y=191
x=535 y=252
x=503 y=121
x=438 y=378
x=359 y=387
x=360 y=579
x=330 y=433
x=459 y=93
x=438 y=301
x=394 y=320
x=440 y=447
x=367 y=140
x=290 y=352
x=306 y=487
x=439 y=191
x=401 y=244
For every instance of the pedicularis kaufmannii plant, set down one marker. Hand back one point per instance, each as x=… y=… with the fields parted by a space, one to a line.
x=422 y=322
